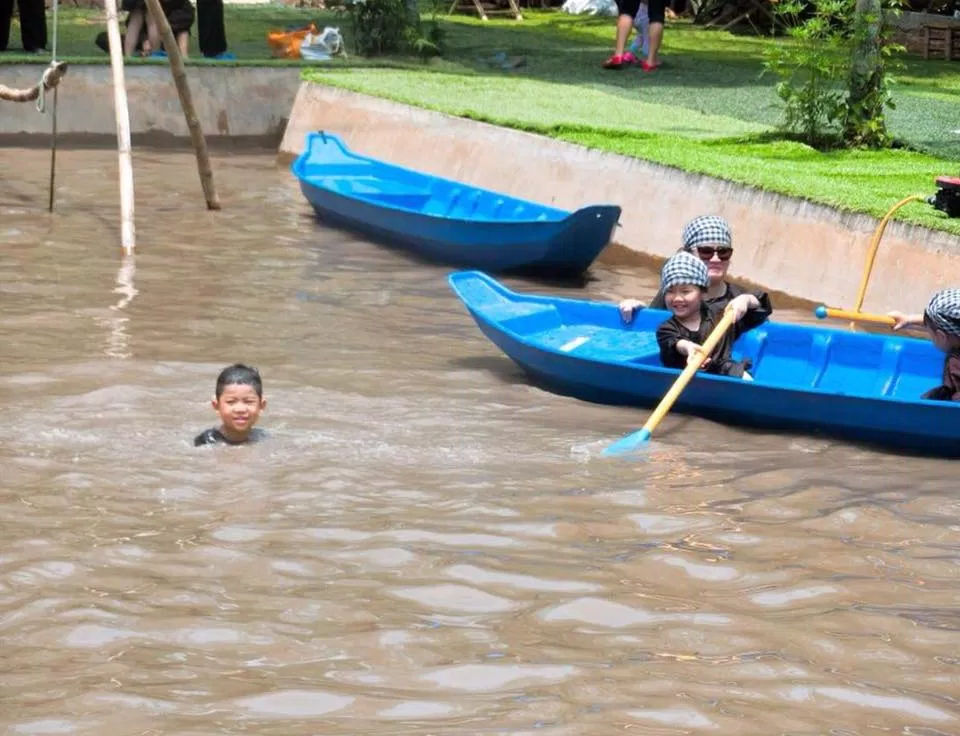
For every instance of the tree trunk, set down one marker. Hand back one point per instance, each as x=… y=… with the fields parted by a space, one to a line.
x=179 y=73
x=866 y=123
x=413 y=12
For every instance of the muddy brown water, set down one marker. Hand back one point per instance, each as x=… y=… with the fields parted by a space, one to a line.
x=426 y=544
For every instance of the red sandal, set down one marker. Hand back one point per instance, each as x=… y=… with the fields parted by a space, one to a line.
x=614 y=62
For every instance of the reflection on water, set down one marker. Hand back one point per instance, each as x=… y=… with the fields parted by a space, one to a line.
x=427 y=544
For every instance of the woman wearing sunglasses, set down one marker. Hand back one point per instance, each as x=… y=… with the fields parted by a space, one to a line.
x=709 y=238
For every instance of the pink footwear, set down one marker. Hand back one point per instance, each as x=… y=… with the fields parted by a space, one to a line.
x=647 y=67
x=614 y=62
x=629 y=58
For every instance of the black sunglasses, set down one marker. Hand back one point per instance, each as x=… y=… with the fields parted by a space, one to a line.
x=707 y=253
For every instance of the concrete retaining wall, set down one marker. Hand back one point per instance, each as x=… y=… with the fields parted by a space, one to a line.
x=787 y=244
x=231 y=102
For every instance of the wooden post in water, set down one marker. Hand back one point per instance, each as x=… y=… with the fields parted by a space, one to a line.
x=179 y=73
x=127 y=231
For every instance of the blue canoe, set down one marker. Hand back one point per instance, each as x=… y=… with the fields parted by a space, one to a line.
x=445 y=220
x=856 y=386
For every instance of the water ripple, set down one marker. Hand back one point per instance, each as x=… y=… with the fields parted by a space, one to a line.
x=426 y=543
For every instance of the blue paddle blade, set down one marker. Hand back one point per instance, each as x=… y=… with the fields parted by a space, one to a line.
x=628 y=444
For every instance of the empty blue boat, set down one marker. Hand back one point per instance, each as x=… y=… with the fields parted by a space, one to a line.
x=856 y=386
x=445 y=220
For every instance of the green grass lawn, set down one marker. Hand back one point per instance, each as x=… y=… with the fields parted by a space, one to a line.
x=246 y=26
x=708 y=110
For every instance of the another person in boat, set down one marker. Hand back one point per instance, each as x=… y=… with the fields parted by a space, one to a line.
x=685 y=282
x=709 y=238
x=942 y=320
x=238 y=402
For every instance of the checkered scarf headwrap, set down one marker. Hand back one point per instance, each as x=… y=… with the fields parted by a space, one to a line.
x=684 y=268
x=944 y=311
x=707 y=229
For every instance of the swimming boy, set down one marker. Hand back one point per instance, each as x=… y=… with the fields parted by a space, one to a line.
x=238 y=402
x=684 y=281
x=942 y=320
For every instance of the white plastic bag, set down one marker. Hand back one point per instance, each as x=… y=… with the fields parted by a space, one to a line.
x=590 y=7
x=323 y=46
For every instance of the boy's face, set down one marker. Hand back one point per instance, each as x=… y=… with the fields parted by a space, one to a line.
x=239 y=409
x=683 y=300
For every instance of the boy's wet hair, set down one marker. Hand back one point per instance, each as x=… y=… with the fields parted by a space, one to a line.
x=239 y=374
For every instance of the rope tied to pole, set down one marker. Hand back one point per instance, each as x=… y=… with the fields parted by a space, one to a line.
x=50 y=80
x=41 y=98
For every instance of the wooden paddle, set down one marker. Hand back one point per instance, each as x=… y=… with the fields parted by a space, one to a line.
x=632 y=441
x=823 y=312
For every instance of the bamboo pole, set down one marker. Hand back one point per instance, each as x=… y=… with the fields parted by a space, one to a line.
x=53 y=151
x=53 y=128
x=179 y=73
x=127 y=231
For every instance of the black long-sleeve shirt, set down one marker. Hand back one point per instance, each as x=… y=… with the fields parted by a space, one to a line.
x=672 y=331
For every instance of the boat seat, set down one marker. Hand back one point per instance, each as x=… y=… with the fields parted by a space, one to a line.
x=915 y=373
x=603 y=343
x=385 y=191
x=444 y=203
x=852 y=366
x=521 y=317
x=781 y=358
x=889 y=372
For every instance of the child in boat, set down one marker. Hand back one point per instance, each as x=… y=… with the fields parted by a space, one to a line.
x=685 y=281
x=238 y=402
x=709 y=238
x=942 y=320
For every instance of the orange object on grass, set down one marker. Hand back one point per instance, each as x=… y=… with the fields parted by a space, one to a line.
x=286 y=44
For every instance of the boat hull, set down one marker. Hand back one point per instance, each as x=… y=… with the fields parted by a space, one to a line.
x=431 y=217
x=913 y=426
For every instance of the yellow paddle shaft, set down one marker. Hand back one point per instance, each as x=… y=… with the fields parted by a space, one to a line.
x=666 y=403
x=877 y=319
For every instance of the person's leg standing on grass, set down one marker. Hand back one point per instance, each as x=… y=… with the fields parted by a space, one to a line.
x=33 y=24
x=657 y=10
x=627 y=10
x=181 y=16
x=6 y=18
x=211 y=33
